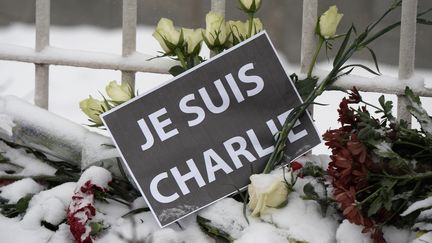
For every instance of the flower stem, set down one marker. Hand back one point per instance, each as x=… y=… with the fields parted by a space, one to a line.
x=314 y=59
x=417 y=176
x=251 y=17
x=181 y=58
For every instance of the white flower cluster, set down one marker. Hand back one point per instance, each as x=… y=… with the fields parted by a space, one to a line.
x=118 y=94
x=218 y=34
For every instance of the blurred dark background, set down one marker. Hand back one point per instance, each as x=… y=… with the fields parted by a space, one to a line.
x=281 y=18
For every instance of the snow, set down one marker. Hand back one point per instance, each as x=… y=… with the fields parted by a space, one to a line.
x=348 y=232
x=6 y=125
x=425 y=203
x=29 y=165
x=11 y=230
x=425 y=238
x=62 y=235
x=56 y=135
x=352 y=233
x=18 y=189
x=227 y=214
x=300 y=216
x=261 y=232
x=49 y=205
x=96 y=175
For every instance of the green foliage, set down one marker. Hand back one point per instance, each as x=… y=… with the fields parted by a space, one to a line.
x=16 y=209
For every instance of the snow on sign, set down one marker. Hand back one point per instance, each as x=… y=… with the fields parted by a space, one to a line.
x=198 y=137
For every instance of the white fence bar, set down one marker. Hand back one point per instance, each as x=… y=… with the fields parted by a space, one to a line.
x=406 y=51
x=308 y=41
x=218 y=6
x=42 y=14
x=137 y=62
x=129 y=37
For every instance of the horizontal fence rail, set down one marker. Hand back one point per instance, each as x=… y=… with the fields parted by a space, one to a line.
x=130 y=61
x=136 y=62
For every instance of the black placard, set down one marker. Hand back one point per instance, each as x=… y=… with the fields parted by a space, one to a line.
x=198 y=137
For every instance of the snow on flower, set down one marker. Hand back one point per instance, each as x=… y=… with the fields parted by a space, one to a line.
x=82 y=210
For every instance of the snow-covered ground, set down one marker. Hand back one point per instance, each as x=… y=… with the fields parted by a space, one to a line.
x=69 y=85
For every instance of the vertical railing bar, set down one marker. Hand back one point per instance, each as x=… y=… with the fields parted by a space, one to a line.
x=42 y=21
x=219 y=7
x=308 y=40
x=129 y=24
x=406 y=51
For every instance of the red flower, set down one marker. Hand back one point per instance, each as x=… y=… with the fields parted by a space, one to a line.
x=81 y=211
x=354 y=96
x=350 y=165
x=295 y=165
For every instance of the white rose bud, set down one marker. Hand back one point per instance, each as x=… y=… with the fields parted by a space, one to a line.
x=267 y=191
x=119 y=93
x=250 y=6
x=329 y=21
x=257 y=26
x=239 y=31
x=216 y=33
x=167 y=35
x=193 y=40
x=93 y=108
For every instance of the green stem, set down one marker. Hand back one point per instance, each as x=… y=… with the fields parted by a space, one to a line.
x=418 y=176
x=181 y=58
x=314 y=58
x=61 y=179
x=251 y=17
x=369 y=197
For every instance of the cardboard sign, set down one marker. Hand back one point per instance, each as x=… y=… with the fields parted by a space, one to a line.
x=198 y=137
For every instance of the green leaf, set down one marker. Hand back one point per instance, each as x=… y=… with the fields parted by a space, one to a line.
x=374 y=59
x=96 y=227
x=375 y=206
x=343 y=46
x=360 y=66
x=310 y=192
x=135 y=211
x=22 y=204
x=310 y=169
x=176 y=70
x=416 y=109
x=306 y=86
x=212 y=230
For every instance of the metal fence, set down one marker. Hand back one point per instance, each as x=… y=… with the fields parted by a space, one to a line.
x=44 y=55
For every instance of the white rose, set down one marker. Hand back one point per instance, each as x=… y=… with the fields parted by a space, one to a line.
x=257 y=26
x=250 y=6
x=193 y=40
x=167 y=35
x=266 y=191
x=216 y=33
x=119 y=93
x=93 y=108
x=329 y=21
x=239 y=31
